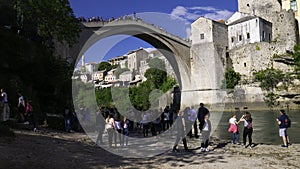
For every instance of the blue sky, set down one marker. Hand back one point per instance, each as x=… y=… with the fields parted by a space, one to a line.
x=157 y=12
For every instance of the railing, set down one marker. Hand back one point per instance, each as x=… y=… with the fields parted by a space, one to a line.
x=139 y=21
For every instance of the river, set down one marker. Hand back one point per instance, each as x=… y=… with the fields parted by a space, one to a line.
x=264 y=125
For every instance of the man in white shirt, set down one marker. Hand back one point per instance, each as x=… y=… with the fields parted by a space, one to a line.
x=4 y=101
x=192 y=117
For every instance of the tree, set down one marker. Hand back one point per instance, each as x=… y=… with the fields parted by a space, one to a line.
x=269 y=78
x=120 y=71
x=296 y=58
x=157 y=63
x=49 y=19
x=232 y=78
x=106 y=66
x=156 y=76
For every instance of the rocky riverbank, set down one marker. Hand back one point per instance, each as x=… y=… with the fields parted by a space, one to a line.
x=50 y=149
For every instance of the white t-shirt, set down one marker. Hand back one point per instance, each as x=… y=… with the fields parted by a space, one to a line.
x=205 y=127
x=232 y=120
x=21 y=100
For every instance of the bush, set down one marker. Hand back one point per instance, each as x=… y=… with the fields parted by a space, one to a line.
x=232 y=78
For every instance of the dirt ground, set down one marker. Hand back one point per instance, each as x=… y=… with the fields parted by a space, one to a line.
x=50 y=149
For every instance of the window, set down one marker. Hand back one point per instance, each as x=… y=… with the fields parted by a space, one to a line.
x=202 y=36
x=263 y=35
x=232 y=39
x=248 y=35
x=240 y=37
x=245 y=64
x=294 y=5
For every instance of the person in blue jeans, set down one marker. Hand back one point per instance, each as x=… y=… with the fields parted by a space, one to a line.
x=234 y=129
x=126 y=127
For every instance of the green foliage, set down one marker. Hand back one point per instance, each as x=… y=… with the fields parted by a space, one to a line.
x=33 y=70
x=106 y=66
x=84 y=95
x=269 y=78
x=157 y=63
x=120 y=71
x=168 y=84
x=257 y=47
x=50 y=19
x=270 y=99
x=296 y=58
x=231 y=79
x=104 y=97
x=156 y=76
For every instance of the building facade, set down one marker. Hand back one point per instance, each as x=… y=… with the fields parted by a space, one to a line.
x=247 y=29
x=135 y=57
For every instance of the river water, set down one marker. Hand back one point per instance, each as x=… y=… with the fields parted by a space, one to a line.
x=265 y=128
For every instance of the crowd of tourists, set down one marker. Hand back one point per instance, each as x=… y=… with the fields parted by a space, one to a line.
x=25 y=110
x=188 y=122
x=100 y=19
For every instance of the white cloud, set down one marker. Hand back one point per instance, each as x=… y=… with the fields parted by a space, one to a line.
x=149 y=49
x=218 y=15
x=189 y=14
x=179 y=11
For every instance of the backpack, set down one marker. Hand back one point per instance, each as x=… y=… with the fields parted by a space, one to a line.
x=287 y=122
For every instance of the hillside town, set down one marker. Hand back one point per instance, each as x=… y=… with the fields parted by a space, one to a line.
x=132 y=66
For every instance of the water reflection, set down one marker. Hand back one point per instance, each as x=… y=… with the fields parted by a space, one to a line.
x=264 y=126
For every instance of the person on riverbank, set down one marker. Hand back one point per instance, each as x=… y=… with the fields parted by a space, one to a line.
x=282 y=122
x=248 y=129
x=192 y=120
x=31 y=115
x=233 y=128
x=4 y=100
x=110 y=126
x=202 y=112
x=205 y=133
x=100 y=126
x=21 y=107
x=180 y=128
x=126 y=126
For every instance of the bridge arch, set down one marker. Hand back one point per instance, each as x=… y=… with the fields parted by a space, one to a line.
x=176 y=50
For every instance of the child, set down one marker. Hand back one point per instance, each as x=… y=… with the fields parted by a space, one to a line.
x=205 y=133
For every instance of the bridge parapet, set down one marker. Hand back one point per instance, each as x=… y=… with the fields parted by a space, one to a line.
x=138 y=22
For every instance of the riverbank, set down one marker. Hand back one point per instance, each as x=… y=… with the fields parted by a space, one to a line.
x=50 y=149
x=250 y=106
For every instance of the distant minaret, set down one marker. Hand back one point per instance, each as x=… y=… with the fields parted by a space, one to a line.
x=82 y=61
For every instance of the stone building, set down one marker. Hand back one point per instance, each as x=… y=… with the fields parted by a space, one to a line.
x=118 y=60
x=125 y=78
x=244 y=29
x=99 y=75
x=293 y=5
x=208 y=52
x=110 y=77
x=135 y=57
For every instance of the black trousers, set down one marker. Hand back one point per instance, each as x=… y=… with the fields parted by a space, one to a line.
x=247 y=133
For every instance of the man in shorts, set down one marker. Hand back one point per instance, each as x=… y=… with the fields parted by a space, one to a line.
x=283 y=128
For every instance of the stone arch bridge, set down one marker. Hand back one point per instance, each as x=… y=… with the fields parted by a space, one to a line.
x=175 y=49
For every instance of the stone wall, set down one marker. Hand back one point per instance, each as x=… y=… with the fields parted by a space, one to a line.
x=255 y=57
x=283 y=22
